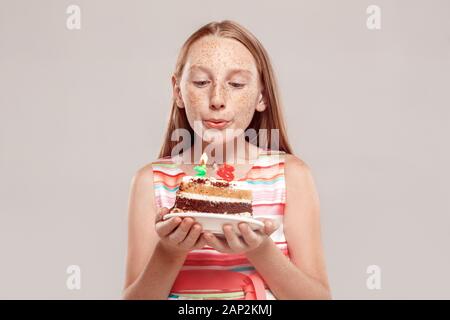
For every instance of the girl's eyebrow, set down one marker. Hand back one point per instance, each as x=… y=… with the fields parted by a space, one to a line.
x=231 y=71
x=201 y=68
x=237 y=70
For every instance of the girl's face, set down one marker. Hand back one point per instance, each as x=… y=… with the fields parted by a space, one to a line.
x=220 y=87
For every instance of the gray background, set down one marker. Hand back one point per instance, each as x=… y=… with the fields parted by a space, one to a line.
x=82 y=110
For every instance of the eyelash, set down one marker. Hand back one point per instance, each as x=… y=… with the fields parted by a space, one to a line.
x=235 y=85
x=200 y=83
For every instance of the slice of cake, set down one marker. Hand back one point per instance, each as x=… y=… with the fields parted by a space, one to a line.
x=211 y=195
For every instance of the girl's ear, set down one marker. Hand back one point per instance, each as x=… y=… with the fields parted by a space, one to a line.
x=261 y=106
x=177 y=92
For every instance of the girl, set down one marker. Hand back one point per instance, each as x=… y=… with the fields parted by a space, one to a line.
x=224 y=81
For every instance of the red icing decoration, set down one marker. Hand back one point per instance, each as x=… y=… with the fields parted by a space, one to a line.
x=226 y=172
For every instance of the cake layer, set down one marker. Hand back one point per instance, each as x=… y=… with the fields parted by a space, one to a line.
x=239 y=185
x=207 y=197
x=216 y=191
x=214 y=187
x=186 y=204
x=241 y=214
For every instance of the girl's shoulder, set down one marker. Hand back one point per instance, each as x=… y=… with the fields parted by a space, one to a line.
x=147 y=171
x=163 y=161
x=270 y=156
x=296 y=170
x=292 y=160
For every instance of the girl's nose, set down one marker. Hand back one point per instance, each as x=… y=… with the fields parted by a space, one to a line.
x=217 y=98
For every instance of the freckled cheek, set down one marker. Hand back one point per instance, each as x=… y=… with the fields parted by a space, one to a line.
x=196 y=99
x=244 y=109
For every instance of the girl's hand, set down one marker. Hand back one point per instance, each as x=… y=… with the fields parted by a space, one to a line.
x=249 y=241
x=178 y=235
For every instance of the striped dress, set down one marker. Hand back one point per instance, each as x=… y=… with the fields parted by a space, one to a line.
x=267 y=182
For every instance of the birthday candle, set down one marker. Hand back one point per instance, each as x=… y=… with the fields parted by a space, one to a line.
x=226 y=172
x=201 y=169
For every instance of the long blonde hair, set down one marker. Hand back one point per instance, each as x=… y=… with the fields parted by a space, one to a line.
x=270 y=118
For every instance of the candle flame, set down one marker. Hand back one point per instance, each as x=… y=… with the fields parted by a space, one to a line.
x=203 y=159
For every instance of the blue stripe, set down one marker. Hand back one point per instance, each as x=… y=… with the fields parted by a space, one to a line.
x=161 y=186
x=254 y=182
x=266 y=182
x=243 y=269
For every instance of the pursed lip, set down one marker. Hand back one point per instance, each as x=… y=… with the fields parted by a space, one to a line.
x=216 y=123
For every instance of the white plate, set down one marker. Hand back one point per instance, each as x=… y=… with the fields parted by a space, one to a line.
x=213 y=222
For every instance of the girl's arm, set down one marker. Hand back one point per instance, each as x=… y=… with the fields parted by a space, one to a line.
x=304 y=276
x=151 y=270
x=159 y=274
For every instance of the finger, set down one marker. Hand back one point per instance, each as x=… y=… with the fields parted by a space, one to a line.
x=216 y=243
x=252 y=239
x=201 y=242
x=234 y=242
x=270 y=226
x=161 y=213
x=180 y=233
x=192 y=236
x=164 y=228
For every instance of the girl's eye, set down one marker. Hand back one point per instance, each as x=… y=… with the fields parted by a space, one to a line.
x=201 y=83
x=237 y=85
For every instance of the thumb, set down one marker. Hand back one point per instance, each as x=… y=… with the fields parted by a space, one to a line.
x=161 y=213
x=270 y=226
x=164 y=211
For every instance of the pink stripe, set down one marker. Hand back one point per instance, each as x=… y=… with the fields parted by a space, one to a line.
x=211 y=252
x=278 y=164
x=167 y=174
x=210 y=248
x=267 y=204
x=267 y=211
x=210 y=260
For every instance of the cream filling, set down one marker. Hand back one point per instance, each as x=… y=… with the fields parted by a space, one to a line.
x=236 y=185
x=196 y=196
